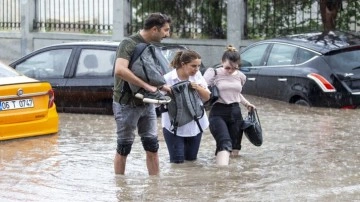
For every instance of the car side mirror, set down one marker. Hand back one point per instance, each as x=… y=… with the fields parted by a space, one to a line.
x=245 y=63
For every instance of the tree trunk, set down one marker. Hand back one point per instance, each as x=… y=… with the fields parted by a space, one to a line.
x=329 y=10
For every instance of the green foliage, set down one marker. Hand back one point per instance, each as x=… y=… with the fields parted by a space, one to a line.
x=190 y=19
x=349 y=17
x=270 y=18
x=206 y=19
x=89 y=31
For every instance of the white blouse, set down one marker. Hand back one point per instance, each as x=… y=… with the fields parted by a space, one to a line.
x=190 y=129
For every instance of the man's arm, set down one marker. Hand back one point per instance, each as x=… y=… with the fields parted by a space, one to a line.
x=122 y=71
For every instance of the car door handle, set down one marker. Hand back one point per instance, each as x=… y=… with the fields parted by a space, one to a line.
x=282 y=79
x=251 y=79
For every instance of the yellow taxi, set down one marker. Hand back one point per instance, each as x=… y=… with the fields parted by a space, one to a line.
x=27 y=106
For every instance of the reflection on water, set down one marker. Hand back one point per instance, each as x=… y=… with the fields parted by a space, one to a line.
x=309 y=154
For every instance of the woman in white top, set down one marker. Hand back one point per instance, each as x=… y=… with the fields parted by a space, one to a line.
x=185 y=144
x=225 y=115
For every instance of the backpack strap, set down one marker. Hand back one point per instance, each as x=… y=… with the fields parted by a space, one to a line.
x=191 y=105
x=175 y=121
x=209 y=103
x=125 y=89
x=215 y=74
x=139 y=49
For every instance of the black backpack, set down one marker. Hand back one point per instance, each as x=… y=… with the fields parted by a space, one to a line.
x=185 y=106
x=145 y=64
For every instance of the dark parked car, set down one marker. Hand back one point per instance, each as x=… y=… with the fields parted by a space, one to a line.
x=80 y=73
x=306 y=69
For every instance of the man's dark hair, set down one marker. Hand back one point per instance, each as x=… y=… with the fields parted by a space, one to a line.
x=156 y=19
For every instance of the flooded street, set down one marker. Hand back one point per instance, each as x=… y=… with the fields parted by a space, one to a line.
x=308 y=154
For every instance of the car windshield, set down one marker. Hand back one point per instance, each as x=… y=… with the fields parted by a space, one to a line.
x=6 y=71
x=345 y=61
x=169 y=54
x=47 y=64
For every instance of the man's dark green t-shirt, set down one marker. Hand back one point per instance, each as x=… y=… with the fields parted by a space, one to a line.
x=125 y=50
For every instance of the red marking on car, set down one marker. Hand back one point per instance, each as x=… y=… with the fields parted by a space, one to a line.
x=324 y=84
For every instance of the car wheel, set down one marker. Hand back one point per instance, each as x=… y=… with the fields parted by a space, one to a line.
x=302 y=102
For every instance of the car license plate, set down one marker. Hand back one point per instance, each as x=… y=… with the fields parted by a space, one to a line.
x=16 y=104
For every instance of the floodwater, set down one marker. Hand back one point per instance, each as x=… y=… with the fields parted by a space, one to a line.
x=308 y=154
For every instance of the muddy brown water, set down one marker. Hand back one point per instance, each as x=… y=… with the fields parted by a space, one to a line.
x=308 y=154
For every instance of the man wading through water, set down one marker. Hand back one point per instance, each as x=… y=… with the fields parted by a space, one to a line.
x=130 y=112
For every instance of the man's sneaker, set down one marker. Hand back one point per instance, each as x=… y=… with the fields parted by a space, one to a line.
x=155 y=97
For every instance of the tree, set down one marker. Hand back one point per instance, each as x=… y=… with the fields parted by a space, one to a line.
x=329 y=10
x=190 y=18
x=264 y=18
x=271 y=18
